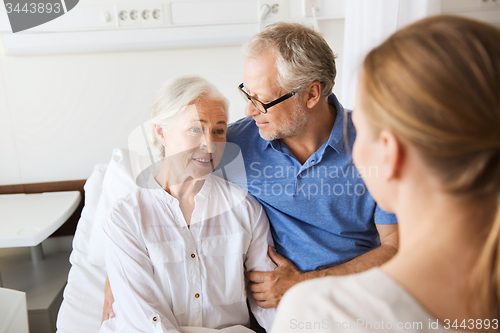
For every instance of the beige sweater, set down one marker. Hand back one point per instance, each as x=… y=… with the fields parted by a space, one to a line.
x=367 y=302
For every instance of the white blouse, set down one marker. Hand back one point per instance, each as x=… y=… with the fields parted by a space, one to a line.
x=164 y=275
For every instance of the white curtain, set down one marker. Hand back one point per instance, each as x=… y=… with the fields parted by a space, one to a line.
x=367 y=24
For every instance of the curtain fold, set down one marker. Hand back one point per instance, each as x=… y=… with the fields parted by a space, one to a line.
x=367 y=24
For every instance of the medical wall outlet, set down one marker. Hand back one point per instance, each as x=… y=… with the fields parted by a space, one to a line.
x=489 y=4
x=308 y=6
x=143 y=14
x=278 y=9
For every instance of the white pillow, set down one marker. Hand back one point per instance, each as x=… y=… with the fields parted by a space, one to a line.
x=118 y=182
x=81 y=308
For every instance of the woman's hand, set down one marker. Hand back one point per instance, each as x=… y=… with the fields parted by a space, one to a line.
x=107 y=310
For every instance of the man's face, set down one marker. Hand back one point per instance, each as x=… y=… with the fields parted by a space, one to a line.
x=283 y=120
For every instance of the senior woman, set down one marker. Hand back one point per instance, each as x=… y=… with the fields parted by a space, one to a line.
x=178 y=248
x=428 y=117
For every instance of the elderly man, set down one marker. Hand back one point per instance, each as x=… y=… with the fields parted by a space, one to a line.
x=296 y=143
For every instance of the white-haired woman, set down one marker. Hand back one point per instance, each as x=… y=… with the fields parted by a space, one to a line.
x=428 y=117
x=178 y=248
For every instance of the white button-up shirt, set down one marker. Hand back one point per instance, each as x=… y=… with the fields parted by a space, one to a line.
x=164 y=275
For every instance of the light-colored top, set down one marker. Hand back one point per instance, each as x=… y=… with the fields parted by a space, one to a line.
x=164 y=275
x=367 y=302
x=28 y=219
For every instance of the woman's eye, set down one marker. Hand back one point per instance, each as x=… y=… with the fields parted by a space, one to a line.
x=220 y=131
x=195 y=130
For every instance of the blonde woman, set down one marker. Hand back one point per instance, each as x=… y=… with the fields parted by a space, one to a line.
x=428 y=117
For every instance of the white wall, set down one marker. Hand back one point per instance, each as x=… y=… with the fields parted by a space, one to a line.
x=62 y=114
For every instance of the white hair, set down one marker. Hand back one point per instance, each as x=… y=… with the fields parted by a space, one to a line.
x=302 y=55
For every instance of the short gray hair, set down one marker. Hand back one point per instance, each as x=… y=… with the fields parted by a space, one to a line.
x=174 y=96
x=302 y=55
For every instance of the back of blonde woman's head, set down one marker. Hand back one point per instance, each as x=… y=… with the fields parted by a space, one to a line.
x=174 y=96
x=436 y=85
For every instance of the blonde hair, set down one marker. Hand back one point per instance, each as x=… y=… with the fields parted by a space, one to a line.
x=302 y=55
x=436 y=85
x=174 y=96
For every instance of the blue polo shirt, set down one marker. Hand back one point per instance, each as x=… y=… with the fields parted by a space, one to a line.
x=321 y=213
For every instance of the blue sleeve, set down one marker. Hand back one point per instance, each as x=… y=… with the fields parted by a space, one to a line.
x=383 y=217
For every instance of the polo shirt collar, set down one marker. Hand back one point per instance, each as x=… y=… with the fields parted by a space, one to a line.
x=336 y=140
x=264 y=144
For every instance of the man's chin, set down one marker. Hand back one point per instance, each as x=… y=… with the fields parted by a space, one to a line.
x=269 y=136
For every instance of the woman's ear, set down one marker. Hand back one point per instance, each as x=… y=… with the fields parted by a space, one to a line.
x=159 y=133
x=312 y=94
x=393 y=157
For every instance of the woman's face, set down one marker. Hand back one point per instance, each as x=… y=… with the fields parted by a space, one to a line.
x=195 y=141
x=368 y=152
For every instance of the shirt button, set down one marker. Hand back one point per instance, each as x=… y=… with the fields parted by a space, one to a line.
x=197 y=295
x=299 y=176
x=155 y=319
x=192 y=255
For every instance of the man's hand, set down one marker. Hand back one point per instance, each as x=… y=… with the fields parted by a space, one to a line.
x=274 y=284
x=268 y=287
x=107 y=310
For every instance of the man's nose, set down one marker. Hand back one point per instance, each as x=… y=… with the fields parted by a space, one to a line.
x=251 y=110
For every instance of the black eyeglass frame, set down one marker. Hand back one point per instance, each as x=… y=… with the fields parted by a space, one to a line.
x=265 y=105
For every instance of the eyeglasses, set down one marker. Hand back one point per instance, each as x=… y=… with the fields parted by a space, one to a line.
x=262 y=107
